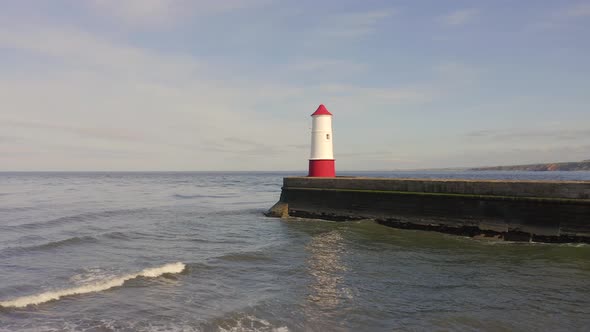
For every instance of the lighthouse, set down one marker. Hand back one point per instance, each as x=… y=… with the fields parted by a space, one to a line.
x=321 y=161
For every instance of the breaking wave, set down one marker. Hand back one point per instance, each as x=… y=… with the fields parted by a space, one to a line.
x=245 y=323
x=98 y=286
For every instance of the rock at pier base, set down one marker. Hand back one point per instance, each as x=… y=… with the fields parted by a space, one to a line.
x=279 y=210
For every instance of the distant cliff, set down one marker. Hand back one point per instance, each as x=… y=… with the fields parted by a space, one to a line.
x=570 y=166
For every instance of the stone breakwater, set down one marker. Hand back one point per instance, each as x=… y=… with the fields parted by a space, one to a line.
x=543 y=211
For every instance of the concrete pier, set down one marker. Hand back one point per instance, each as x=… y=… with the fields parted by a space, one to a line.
x=544 y=211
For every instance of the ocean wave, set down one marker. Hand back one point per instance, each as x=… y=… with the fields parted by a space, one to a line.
x=245 y=257
x=108 y=324
x=76 y=218
x=87 y=239
x=116 y=236
x=65 y=242
x=238 y=212
x=98 y=286
x=17 y=209
x=181 y=196
x=49 y=245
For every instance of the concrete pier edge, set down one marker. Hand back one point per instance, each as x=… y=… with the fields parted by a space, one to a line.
x=540 y=211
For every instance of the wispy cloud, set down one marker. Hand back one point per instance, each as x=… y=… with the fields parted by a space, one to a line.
x=322 y=65
x=458 y=75
x=527 y=133
x=139 y=11
x=560 y=18
x=76 y=47
x=7 y=139
x=460 y=17
x=238 y=146
x=353 y=25
x=381 y=155
x=514 y=155
x=575 y=11
x=98 y=84
x=161 y=12
x=110 y=134
x=377 y=94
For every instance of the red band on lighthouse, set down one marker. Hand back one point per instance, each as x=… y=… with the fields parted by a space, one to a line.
x=321 y=161
x=322 y=168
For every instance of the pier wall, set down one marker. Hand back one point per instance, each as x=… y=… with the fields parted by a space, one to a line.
x=549 y=211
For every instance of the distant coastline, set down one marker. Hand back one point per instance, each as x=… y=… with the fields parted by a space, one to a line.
x=564 y=166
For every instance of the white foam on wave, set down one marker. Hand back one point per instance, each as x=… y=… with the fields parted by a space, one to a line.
x=249 y=323
x=98 y=286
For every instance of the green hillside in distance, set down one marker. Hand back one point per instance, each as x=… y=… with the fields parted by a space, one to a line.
x=566 y=166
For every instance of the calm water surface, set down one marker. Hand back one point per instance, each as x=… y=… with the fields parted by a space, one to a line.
x=193 y=252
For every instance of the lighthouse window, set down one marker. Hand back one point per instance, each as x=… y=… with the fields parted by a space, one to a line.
x=327 y=136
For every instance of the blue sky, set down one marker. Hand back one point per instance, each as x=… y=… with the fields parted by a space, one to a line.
x=230 y=85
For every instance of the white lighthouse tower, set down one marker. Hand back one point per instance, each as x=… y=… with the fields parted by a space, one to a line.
x=321 y=161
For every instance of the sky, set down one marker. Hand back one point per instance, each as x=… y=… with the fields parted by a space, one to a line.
x=209 y=85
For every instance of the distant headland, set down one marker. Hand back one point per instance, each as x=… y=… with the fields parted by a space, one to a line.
x=564 y=166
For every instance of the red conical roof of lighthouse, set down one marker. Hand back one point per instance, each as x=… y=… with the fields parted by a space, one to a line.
x=322 y=110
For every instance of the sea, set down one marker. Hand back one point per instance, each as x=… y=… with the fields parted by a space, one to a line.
x=192 y=251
